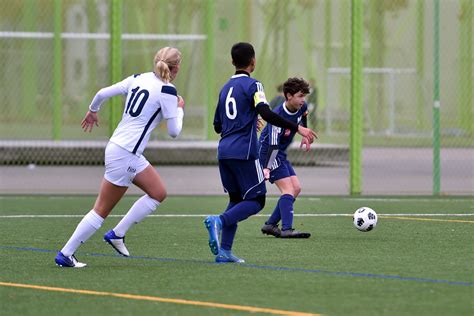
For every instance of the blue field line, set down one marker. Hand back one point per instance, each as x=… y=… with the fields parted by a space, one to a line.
x=254 y=266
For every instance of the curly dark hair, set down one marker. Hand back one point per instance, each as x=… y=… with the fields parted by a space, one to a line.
x=295 y=85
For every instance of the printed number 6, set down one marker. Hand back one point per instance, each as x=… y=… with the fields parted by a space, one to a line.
x=230 y=102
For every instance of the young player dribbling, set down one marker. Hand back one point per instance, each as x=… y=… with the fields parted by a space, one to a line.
x=274 y=142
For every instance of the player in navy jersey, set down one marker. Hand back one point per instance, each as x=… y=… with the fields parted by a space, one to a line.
x=274 y=142
x=151 y=98
x=241 y=100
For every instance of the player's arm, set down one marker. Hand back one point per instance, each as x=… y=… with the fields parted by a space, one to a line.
x=305 y=144
x=217 y=124
x=304 y=119
x=91 y=118
x=260 y=124
x=268 y=115
x=173 y=110
x=274 y=119
x=308 y=134
x=108 y=92
x=217 y=121
x=175 y=124
x=303 y=129
x=264 y=110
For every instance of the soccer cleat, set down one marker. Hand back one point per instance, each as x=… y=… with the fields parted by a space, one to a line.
x=291 y=233
x=118 y=243
x=226 y=256
x=68 y=262
x=213 y=225
x=269 y=229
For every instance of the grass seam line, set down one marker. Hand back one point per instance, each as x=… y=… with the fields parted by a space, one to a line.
x=254 y=266
x=397 y=215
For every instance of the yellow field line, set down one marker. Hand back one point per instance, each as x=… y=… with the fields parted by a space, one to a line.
x=429 y=219
x=250 y=309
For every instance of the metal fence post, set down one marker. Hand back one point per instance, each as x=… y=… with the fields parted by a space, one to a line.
x=116 y=60
x=356 y=98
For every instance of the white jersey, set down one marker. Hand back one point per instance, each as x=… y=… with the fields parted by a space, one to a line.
x=149 y=101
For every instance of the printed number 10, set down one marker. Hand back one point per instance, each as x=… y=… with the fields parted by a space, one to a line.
x=131 y=108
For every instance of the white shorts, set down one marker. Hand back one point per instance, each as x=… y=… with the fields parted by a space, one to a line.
x=121 y=166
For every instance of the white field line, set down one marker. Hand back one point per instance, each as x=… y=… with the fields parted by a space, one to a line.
x=258 y=215
x=275 y=198
x=369 y=199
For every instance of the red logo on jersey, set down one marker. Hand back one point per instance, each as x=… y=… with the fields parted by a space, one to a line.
x=287 y=132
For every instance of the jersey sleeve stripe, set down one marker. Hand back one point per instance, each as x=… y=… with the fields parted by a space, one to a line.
x=258 y=167
x=169 y=90
x=274 y=135
x=275 y=164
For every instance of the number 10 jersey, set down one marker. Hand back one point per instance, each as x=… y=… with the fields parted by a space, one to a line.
x=149 y=101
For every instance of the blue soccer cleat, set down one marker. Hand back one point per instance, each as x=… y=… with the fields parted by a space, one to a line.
x=226 y=256
x=68 y=262
x=118 y=243
x=213 y=225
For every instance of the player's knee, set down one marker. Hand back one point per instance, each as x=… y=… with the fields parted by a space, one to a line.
x=258 y=203
x=261 y=200
x=234 y=197
x=101 y=211
x=102 y=207
x=160 y=196
x=296 y=191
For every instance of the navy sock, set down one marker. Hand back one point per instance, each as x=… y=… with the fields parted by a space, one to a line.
x=275 y=217
x=228 y=232
x=229 y=206
x=227 y=238
x=285 y=204
x=239 y=212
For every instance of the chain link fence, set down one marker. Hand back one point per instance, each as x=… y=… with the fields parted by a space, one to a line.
x=304 y=38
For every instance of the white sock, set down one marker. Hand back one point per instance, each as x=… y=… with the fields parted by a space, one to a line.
x=143 y=207
x=84 y=230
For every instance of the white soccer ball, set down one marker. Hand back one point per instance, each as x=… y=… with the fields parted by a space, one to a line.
x=365 y=219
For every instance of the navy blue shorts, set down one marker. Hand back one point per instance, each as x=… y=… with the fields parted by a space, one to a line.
x=284 y=170
x=242 y=176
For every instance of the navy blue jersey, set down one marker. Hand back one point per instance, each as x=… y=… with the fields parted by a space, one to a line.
x=236 y=117
x=281 y=138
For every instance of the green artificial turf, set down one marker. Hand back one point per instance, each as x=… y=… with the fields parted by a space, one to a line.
x=408 y=265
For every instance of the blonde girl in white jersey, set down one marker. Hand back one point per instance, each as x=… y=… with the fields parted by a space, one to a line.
x=151 y=98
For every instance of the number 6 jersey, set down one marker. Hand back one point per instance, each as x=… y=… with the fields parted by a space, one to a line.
x=236 y=117
x=149 y=101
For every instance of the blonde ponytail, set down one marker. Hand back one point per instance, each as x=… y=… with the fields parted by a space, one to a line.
x=165 y=59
